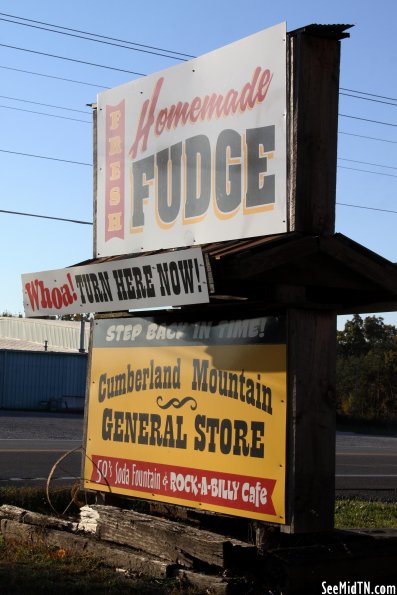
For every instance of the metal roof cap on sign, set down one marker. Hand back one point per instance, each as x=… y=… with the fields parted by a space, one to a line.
x=335 y=31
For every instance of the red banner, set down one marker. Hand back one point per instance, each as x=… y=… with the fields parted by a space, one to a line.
x=115 y=150
x=240 y=492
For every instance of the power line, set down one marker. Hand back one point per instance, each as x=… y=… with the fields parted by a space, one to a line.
x=13 y=47
x=98 y=35
x=367 y=163
x=146 y=46
x=367 y=120
x=70 y=109
x=383 y=140
x=142 y=74
x=90 y=223
x=377 y=173
x=365 y=93
x=61 y=30
x=50 y=76
x=90 y=164
x=368 y=99
x=20 y=109
x=45 y=157
x=367 y=208
x=46 y=217
x=118 y=45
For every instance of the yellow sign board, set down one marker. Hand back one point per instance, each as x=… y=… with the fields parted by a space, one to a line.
x=190 y=413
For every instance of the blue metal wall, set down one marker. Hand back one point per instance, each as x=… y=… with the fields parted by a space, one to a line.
x=29 y=378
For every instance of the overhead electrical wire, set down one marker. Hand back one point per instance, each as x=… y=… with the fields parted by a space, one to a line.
x=382 y=140
x=69 y=109
x=367 y=171
x=105 y=37
x=101 y=86
x=90 y=164
x=80 y=222
x=118 y=45
x=368 y=120
x=142 y=74
x=45 y=157
x=366 y=93
x=46 y=217
x=367 y=163
x=51 y=76
x=344 y=204
x=161 y=52
x=20 y=109
x=368 y=99
x=13 y=47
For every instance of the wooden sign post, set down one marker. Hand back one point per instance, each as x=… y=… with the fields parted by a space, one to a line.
x=313 y=70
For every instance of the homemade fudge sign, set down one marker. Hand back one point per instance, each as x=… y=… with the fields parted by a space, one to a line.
x=195 y=153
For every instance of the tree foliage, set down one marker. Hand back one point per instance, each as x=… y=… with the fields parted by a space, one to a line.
x=367 y=369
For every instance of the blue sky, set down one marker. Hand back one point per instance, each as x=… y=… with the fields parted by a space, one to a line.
x=59 y=189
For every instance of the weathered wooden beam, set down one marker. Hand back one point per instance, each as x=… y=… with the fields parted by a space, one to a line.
x=14 y=531
x=311 y=372
x=313 y=89
x=8 y=511
x=171 y=541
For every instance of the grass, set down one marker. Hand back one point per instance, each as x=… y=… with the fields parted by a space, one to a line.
x=32 y=570
x=348 y=513
x=352 y=514
x=35 y=499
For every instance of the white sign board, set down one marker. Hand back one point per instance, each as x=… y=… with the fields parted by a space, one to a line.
x=170 y=279
x=195 y=153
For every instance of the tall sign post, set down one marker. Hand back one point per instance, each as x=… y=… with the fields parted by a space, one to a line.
x=313 y=91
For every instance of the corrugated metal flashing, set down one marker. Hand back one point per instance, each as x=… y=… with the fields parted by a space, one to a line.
x=335 y=31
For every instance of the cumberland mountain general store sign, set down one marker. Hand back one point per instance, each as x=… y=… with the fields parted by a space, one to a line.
x=190 y=413
x=195 y=153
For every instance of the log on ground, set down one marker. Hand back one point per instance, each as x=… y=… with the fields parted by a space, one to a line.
x=175 y=542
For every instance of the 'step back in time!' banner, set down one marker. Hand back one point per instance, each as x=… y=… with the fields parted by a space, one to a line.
x=190 y=413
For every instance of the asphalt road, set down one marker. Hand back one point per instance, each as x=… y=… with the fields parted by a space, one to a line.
x=366 y=465
x=31 y=443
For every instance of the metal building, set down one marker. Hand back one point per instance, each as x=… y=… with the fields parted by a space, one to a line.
x=40 y=373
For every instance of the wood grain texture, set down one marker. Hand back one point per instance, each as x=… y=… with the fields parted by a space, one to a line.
x=171 y=541
x=311 y=370
x=313 y=91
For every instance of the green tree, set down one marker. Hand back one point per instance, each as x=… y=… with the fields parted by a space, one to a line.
x=367 y=369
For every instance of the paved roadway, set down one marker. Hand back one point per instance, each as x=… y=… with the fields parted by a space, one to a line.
x=366 y=465
x=30 y=444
